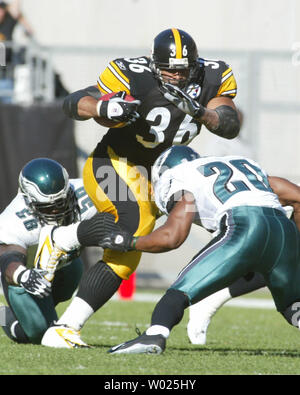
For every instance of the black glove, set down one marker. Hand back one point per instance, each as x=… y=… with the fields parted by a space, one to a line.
x=119 y=109
x=183 y=101
x=33 y=281
x=101 y=230
x=118 y=240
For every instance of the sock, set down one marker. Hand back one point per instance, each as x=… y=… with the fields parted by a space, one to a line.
x=158 y=330
x=76 y=314
x=206 y=308
x=170 y=309
x=98 y=284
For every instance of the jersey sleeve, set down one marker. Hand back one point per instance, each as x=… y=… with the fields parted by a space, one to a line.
x=113 y=79
x=18 y=226
x=228 y=85
x=86 y=206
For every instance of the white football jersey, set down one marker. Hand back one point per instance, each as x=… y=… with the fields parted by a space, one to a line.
x=218 y=184
x=18 y=225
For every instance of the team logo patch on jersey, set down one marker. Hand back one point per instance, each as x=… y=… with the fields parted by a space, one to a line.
x=121 y=65
x=194 y=91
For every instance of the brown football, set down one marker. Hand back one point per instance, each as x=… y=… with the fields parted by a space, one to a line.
x=108 y=123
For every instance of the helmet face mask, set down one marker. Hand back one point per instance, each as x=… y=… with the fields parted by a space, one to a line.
x=47 y=192
x=174 y=50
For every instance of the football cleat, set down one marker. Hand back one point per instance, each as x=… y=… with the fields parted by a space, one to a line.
x=143 y=344
x=61 y=336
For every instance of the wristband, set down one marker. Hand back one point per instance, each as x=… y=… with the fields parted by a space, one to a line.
x=12 y=256
x=99 y=103
x=17 y=273
x=199 y=113
x=134 y=240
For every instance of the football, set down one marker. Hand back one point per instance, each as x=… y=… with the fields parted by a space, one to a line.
x=108 y=123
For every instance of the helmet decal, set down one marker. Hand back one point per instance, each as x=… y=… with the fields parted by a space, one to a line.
x=170 y=158
x=178 y=44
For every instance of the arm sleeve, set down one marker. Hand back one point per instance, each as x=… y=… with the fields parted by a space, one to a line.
x=71 y=101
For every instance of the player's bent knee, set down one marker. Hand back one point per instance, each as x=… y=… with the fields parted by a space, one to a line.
x=34 y=315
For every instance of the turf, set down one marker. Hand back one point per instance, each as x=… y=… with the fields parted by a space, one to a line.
x=240 y=342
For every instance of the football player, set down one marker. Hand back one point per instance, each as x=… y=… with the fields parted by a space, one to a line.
x=201 y=313
x=232 y=197
x=175 y=92
x=46 y=196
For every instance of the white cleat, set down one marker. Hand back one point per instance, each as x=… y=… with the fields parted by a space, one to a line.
x=61 y=336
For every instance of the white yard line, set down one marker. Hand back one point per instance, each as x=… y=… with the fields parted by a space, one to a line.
x=251 y=303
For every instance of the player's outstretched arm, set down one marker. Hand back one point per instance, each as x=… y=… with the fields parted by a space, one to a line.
x=85 y=104
x=101 y=230
x=175 y=230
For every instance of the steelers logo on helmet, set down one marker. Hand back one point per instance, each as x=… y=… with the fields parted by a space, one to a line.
x=174 y=49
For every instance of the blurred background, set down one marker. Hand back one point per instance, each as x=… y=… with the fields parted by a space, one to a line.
x=61 y=46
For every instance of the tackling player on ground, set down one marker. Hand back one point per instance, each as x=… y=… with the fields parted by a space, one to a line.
x=46 y=197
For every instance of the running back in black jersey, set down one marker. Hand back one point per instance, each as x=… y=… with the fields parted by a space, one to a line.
x=114 y=174
x=161 y=123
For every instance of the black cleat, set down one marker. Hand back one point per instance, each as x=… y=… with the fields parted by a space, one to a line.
x=143 y=344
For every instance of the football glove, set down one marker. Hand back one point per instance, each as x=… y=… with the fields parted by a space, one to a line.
x=118 y=240
x=118 y=109
x=34 y=282
x=183 y=101
x=101 y=230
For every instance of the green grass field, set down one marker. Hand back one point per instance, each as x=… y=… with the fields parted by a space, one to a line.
x=241 y=341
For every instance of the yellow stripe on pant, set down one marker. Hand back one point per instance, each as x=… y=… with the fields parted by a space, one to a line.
x=122 y=263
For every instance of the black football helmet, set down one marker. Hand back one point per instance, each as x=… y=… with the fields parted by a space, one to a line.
x=175 y=49
x=48 y=194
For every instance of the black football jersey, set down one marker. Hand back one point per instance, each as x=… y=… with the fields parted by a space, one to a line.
x=161 y=123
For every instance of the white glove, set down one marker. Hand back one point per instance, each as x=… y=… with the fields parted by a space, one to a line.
x=33 y=281
x=119 y=109
x=183 y=101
